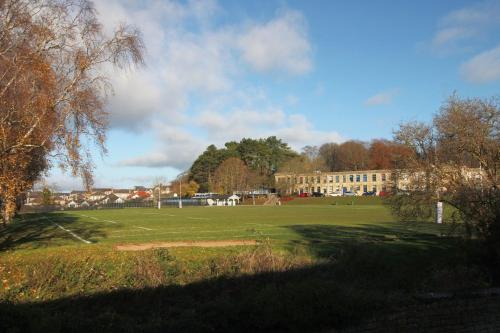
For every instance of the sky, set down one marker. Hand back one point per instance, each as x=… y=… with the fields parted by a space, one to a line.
x=308 y=72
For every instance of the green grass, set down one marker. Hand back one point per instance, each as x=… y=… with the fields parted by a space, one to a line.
x=319 y=266
x=283 y=225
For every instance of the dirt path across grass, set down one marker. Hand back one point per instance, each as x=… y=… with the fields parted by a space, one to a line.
x=147 y=246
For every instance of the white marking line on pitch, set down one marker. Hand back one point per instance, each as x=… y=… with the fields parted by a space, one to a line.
x=94 y=218
x=198 y=218
x=70 y=232
x=145 y=228
x=90 y=217
x=266 y=225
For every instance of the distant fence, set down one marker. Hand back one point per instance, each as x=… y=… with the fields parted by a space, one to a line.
x=144 y=204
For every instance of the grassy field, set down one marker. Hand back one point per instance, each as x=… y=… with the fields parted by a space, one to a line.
x=191 y=223
x=285 y=225
x=318 y=265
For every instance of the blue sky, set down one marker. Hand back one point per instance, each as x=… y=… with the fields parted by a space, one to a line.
x=308 y=72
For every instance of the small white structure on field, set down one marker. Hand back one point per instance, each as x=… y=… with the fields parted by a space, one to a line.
x=233 y=200
x=224 y=200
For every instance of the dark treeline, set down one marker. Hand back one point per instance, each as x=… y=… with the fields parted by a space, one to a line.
x=264 y=157
x=357 y=155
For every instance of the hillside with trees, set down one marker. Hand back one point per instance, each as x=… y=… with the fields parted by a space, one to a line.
x=262 y=158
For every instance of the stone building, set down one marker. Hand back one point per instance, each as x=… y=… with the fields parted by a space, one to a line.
x=329 y=183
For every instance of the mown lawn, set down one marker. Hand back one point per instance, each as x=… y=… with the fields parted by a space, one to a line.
x=317 y=266
x=283 y=225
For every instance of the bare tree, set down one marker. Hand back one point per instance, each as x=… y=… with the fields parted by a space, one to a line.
x=232 y=175
x=53 y=88
x=455 y=159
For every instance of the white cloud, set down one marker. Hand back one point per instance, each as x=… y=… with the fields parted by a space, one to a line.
x=179 y=148
x=382 y=98
x=186 y=56
x=483 y=68
x=463 y=28
x=138 y=98
x=281 y=44
x=194 y=80
x=176 y=148
x=239 y=123
x=300 y=132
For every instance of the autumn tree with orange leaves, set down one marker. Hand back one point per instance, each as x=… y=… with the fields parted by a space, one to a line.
x=232 y=175
x=53 y=88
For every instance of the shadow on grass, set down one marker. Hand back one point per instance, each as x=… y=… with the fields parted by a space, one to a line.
x=41 y=230
x=364 y=275
x=327 y=240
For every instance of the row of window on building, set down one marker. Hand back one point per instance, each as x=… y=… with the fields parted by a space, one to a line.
x=337 y=178
x=338 y=189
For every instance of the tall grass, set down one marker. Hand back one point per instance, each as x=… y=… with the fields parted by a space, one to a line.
x=54 y=274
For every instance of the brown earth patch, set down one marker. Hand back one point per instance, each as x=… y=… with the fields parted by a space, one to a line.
x=147 y=246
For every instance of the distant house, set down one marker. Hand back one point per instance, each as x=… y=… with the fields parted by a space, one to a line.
x=96 y=196
x=122 y=193
x=106 y=191
x=60 y=199
x=111 y=198
x=140 y=195
x=72 y=204
x=119 y=201
x=77 y=195
x=34 y=198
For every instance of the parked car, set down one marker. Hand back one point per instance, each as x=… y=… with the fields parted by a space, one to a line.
x=369 y=193
x=303 y=195
x=349 y=194
x=317 y=194
x=335 y=194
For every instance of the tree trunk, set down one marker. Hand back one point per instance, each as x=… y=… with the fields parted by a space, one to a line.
x=8 y=210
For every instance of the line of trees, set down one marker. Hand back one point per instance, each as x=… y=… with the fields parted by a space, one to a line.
x=259 y=159
x=53 y=88
x=455 y=159
x=350 y=155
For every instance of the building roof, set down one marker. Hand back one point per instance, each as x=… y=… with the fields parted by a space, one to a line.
x=122 y=190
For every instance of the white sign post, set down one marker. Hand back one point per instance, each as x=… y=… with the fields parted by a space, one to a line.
x=159 y=197
x=439 y=212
